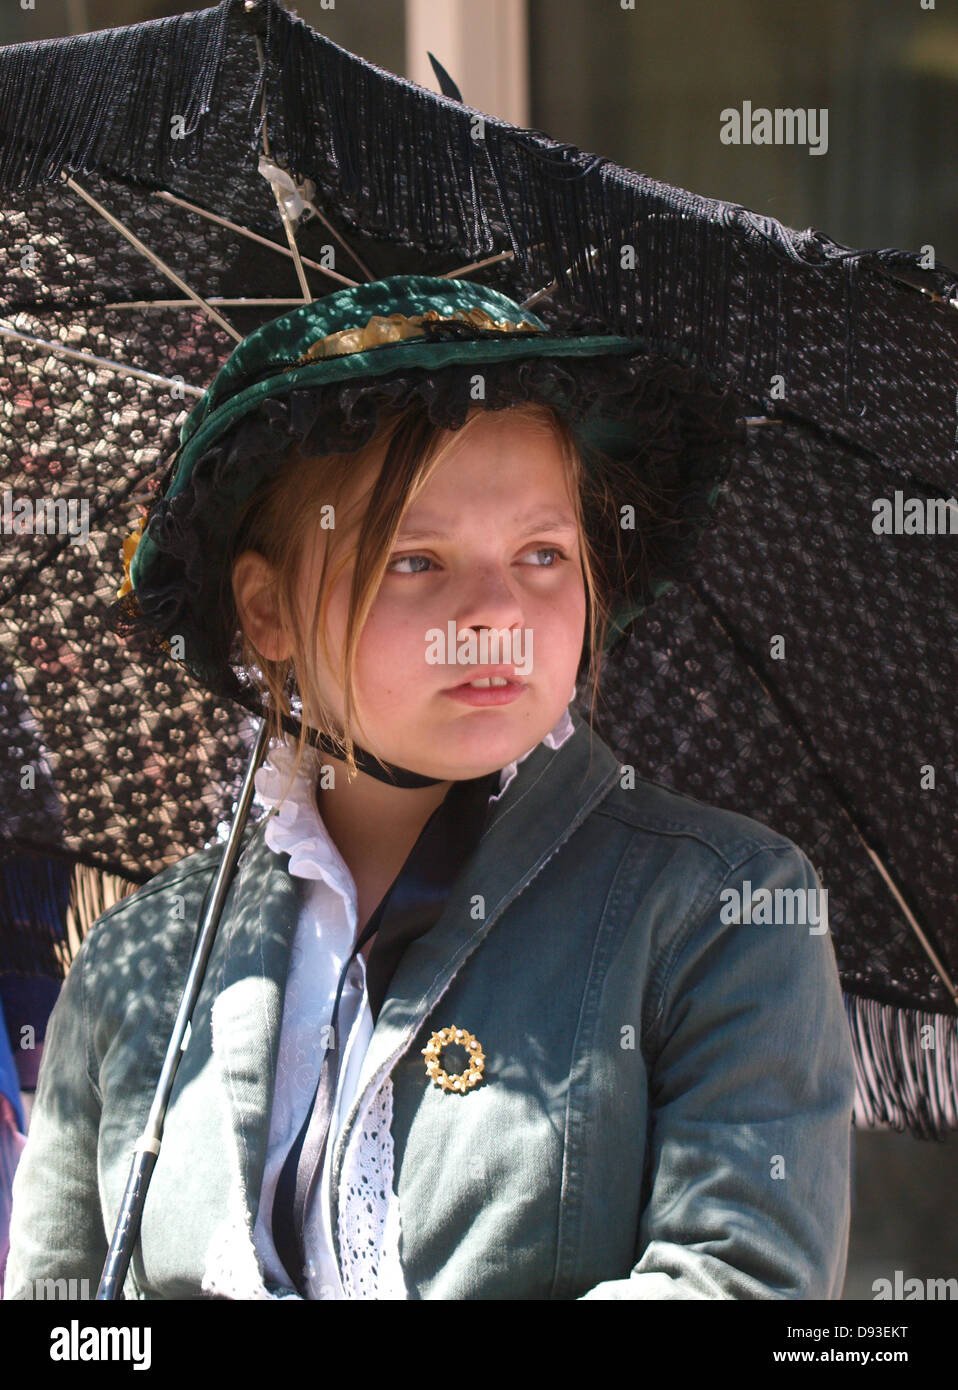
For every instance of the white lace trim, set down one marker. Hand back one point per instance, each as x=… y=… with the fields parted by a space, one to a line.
x=295 y=827
x=369 y=1221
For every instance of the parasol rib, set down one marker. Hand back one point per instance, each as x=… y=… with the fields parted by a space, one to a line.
x=214 y=299
x=910 y=917
x=283 y=251
x=152 y=256
x=782 y=705
x=333 y=232
x=477 y=265
x=253 y=236
x=105 y=362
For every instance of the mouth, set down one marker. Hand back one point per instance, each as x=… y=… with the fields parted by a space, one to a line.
x=487 y=690
x=493 y=677
x=486 y=683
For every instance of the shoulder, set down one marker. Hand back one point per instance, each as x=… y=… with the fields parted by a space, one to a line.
x=716 y=900
x=159 y=919
x=692 y=829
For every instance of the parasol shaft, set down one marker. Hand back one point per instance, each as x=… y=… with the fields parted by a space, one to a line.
x=147 y=1148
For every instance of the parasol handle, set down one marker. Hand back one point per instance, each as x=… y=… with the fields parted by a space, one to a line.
x=147 y=1150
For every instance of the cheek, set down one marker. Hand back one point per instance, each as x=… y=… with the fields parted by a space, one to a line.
x=392 y=648
x=563 y=610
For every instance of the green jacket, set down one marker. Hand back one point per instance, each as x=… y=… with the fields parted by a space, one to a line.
x=666 y=1103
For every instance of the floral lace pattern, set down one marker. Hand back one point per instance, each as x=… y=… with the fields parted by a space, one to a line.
x=369 y=1221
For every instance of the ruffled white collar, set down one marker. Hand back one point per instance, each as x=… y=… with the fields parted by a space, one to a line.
x=296 y=828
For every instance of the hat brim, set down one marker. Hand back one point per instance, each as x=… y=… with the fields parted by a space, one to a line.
x=381 y=361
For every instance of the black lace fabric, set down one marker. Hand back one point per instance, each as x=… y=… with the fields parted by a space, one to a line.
x=134 y=765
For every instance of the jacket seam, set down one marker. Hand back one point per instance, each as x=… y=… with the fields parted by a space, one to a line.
x=149 y=889
x=142 y=894
x=526 y=790
x=681 y=830
x=237 y=1110
x=547 y=766
x=570 y=1194
x=87 y=1032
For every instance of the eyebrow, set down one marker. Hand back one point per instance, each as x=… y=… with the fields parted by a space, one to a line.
x=530 y=521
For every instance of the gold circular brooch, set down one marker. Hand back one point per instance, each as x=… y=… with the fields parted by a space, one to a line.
x=461 y=1081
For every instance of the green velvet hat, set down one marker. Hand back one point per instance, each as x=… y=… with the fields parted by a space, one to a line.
x=403 y=327
x=366 y=330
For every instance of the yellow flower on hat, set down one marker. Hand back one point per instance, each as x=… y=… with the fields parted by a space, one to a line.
x=129 y=550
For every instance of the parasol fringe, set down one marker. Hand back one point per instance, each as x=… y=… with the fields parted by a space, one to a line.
x=67 y=98
x=559 y=210
x=906 y=1065
x=92 y=892
x=562 y=209
x=47 y=905
x=556 y=204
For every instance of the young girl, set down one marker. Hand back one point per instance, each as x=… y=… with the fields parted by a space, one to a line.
x=485 y=1015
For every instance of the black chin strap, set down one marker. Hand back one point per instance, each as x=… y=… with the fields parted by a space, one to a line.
x=389 y=773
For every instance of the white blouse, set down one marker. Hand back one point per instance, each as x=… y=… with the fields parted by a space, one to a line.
x=324 y=936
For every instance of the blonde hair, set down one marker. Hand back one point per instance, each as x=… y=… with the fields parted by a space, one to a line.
x=279 y=522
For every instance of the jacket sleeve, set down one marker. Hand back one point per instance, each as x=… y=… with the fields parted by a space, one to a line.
x=56 y=1225
x=751 y=1091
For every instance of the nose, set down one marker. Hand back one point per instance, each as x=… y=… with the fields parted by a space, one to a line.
x=492 y=602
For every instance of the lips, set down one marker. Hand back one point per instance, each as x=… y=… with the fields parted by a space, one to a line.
x=493 y=677
x=485 y=695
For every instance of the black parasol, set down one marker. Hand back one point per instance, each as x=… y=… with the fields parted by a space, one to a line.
x=168 y=186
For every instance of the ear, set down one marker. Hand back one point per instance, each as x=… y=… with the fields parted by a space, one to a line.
x=254 y=591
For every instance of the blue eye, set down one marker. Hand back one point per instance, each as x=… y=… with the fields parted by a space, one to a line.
x=402 y=559
x=548 y=550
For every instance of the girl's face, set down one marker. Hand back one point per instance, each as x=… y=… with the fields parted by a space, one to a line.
x=502 y=552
